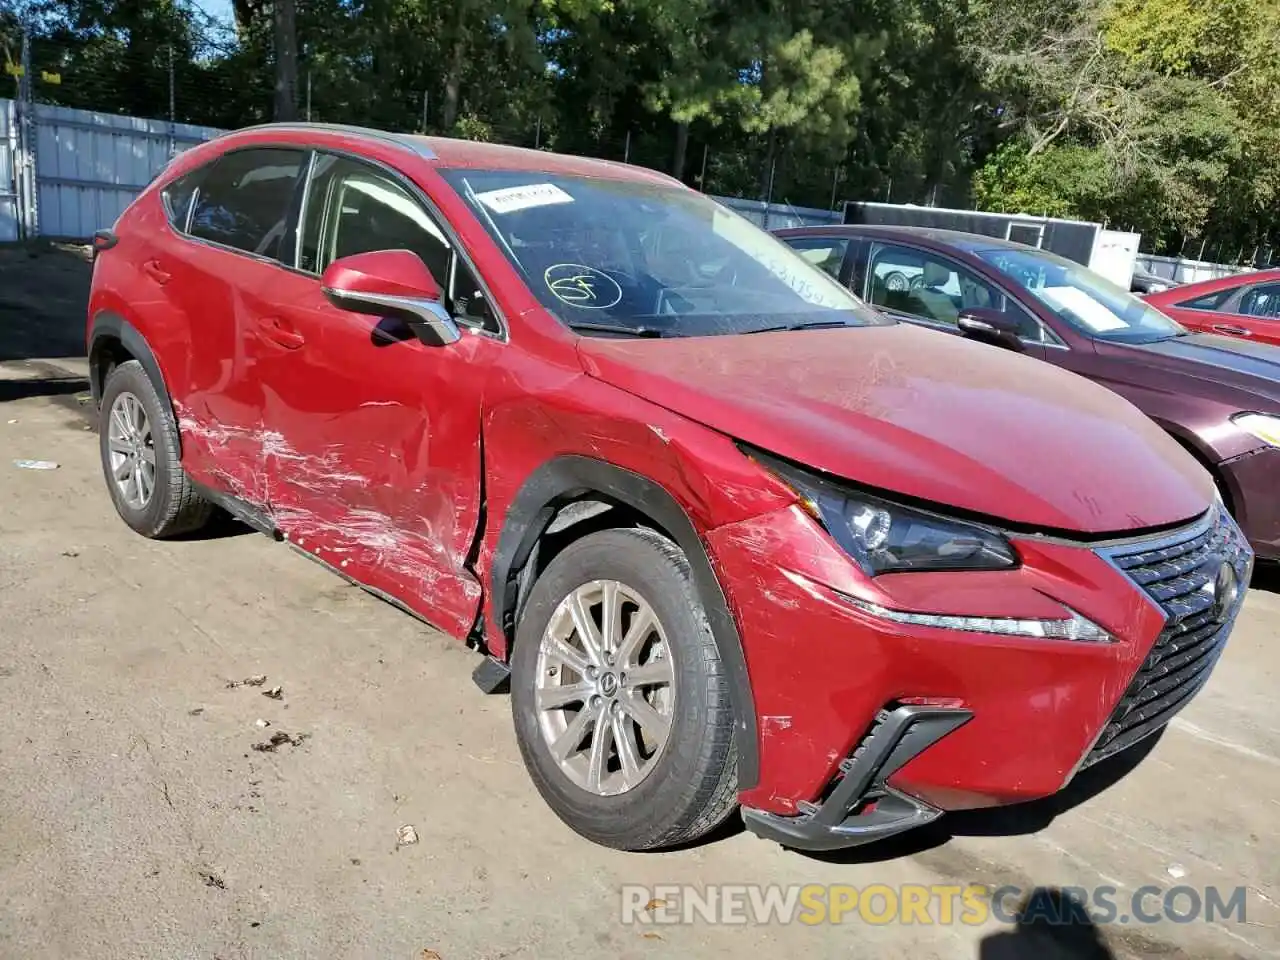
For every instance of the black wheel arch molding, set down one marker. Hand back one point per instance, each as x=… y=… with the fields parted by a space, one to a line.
x=111 y=326
x=572 y=479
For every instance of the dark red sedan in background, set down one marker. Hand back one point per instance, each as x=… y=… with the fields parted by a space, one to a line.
x=1246 y=305
x=1219 y=397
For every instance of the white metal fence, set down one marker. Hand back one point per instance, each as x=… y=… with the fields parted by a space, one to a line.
x=1181 y=270
x=85 y=167
x=65 y=173
x=88 y=166
x=8 y=173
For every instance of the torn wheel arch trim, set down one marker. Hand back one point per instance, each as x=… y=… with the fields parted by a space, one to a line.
x=569 y=477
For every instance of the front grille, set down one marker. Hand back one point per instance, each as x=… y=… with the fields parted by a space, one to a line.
x=1175 y=571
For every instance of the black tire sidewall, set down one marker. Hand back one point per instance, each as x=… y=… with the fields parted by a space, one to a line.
x=131 y=378
x=664 y=800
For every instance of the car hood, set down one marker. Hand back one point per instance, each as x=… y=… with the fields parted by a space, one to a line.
x=1248 y=371
x=925 y=415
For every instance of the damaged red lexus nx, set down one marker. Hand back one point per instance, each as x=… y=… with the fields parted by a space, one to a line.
x=733 y=540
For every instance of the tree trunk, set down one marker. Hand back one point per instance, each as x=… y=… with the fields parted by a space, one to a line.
x=286 y=50
x=769 y=170
x=682 y=148
x=457 y=61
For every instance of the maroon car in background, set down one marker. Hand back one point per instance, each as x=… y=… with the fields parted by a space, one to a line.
x=1218 y=396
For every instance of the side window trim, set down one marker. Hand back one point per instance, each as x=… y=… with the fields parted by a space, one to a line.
x=297 y=204
x=456 y=251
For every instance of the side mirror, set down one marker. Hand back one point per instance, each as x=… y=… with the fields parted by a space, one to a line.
x=991 y=326
x=391 y=283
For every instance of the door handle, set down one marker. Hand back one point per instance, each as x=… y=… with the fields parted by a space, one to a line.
x=157 y=273
x=280 y=333
x=1232 y=330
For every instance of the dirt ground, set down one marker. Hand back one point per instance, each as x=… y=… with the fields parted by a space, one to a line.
x=137 y=820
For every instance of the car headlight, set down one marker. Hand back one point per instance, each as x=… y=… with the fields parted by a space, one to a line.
x=885 y=537
x=1075 y=627
x=1265 y=428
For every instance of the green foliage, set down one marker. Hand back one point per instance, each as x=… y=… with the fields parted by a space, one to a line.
x=1155 y=115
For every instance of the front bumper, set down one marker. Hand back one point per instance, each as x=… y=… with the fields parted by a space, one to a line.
x=868 y=728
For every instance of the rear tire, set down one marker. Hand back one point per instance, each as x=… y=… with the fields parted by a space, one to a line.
x=648 y=783
x=138 y=441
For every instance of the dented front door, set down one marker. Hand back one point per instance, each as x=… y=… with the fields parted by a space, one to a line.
x=372 y=449
x=374 y=438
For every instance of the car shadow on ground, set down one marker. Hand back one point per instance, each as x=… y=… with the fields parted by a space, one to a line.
x=1049 y=924
x=11 y=390
x=44 y=296
x=1266 y=576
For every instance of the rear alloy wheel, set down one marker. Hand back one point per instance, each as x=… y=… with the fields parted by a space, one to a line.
x=138 y=440
x=131 y=451
x=620 y=701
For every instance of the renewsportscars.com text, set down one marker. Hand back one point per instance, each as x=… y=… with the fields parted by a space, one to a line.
x=925 y=904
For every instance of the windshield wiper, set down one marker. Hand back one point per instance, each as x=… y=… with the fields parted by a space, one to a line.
x=588 y=327
x=815 y=325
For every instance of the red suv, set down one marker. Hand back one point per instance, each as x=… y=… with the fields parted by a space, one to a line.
x=731 y=538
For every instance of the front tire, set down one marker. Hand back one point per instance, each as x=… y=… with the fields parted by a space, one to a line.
x=620 y=700
x=138 y=441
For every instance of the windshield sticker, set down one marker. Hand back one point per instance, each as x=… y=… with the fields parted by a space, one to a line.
x=1092 y=313
x=511 y=199
x=583 y=287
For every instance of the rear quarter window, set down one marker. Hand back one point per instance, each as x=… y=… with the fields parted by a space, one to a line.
x=1210 y=301
x=177 y=196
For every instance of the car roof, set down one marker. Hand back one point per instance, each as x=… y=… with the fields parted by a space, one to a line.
x=932 y=236
x=449 y=152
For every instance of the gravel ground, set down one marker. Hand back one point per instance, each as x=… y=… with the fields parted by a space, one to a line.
x=138 y=820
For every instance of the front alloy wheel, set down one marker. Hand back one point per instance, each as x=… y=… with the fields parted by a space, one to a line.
x=605 y=688
x=621 y=704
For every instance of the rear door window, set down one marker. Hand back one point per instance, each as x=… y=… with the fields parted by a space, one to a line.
x=1262 y=301
x=244 y=201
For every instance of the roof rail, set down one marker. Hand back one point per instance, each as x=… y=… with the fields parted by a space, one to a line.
x=416 y=147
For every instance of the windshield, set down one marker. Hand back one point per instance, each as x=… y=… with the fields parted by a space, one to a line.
x=1089 y=302
x=624 y=258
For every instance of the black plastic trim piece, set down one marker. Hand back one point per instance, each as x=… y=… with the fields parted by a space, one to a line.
x=243 y=511
x=898 y=735
x=112 y=325
x=491 y=675
x=569 y=478
x=103 y=240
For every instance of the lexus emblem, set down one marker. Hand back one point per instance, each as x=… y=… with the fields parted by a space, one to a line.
x=1224 y=591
